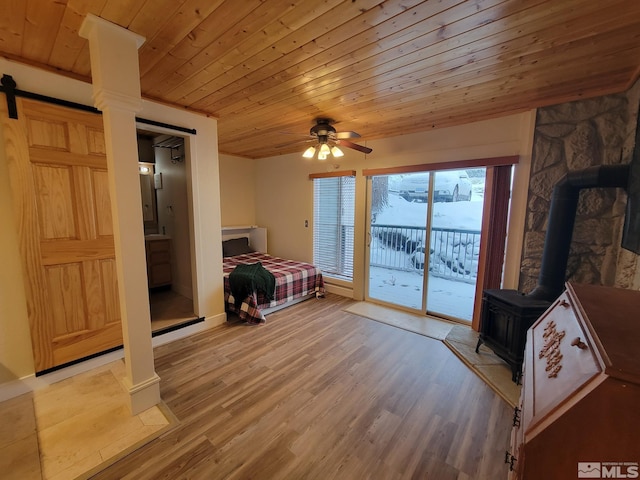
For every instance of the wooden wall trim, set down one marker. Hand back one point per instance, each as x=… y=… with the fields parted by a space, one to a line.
x=494 y=233
x=342 y=173
x=424 y=167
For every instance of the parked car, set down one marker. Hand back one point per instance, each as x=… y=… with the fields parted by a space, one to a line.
x=450 y=186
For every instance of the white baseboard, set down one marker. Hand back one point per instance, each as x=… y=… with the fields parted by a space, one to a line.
x=339 y=290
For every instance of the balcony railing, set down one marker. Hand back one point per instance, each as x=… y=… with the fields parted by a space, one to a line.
x=453 y=253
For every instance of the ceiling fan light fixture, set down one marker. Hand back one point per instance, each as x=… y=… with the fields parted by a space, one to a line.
x=324 y=150
x=309 y=152
x=328 y=140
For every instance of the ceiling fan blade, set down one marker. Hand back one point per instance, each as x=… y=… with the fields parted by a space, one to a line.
x=294 y=134
x=355 y=146
x=301 y=141
x=341 y=135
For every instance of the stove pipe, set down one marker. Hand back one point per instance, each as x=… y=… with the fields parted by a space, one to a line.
x=562 y=214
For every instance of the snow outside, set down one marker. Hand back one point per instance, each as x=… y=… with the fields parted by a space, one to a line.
x=397 y=255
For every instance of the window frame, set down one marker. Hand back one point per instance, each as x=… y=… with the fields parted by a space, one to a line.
x=337 y=260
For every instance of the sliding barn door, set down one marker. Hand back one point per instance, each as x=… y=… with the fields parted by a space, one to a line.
x=58 y=171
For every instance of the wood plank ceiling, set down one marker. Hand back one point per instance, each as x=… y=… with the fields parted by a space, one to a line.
x=267 y=68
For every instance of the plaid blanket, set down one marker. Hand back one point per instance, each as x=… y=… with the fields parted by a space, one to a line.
x=293 y=280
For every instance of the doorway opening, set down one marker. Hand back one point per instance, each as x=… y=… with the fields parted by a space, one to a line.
x=165 y=206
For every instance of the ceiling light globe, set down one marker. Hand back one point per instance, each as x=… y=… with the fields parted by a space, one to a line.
x=309 y=152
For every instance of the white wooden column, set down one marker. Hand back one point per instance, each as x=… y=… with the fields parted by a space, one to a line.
x=116 y=91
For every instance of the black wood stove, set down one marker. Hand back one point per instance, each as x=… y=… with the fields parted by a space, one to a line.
x=507 y=314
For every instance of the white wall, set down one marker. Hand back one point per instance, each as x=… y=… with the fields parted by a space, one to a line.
x=203 y=209
x=284 y=210
x=173 y=218
x=237 y=190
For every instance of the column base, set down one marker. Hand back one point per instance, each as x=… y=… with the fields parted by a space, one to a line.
x=144 y=395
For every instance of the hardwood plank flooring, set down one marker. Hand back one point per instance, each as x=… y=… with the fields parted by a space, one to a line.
x=319 y=393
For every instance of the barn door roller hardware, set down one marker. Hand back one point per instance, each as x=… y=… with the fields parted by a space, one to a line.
x=9 y=89
x=8 y=86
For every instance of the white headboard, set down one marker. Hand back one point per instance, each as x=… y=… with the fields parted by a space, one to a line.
x=257 y=235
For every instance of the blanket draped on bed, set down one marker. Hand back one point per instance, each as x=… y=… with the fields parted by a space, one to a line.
x=251 y=277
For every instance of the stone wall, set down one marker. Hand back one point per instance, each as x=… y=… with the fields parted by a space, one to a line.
x=573 y=136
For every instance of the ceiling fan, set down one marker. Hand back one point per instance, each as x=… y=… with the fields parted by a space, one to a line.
x=329 y=139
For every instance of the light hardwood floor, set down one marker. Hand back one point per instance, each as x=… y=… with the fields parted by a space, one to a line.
x=319 y=393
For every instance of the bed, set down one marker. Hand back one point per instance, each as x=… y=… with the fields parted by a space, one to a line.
x=294 y=281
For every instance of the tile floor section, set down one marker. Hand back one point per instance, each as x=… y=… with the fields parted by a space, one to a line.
x=74 y=426
x=169 y=308
x=487 y=365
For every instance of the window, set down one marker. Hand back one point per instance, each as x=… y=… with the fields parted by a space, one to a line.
x=333 y=218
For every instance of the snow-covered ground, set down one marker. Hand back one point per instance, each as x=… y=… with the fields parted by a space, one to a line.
x=463 y=215
x=446 y=296
x=449 y=297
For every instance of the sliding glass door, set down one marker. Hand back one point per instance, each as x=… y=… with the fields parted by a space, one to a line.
x=426 y=222
x=456 y=222
x=397 y=239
